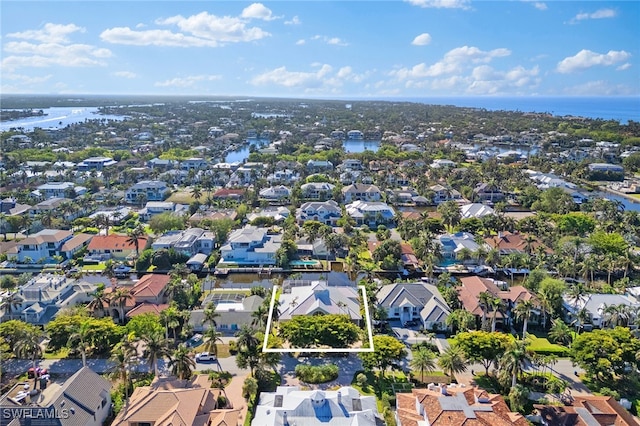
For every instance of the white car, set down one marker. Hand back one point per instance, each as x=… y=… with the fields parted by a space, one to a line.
x=205 y=356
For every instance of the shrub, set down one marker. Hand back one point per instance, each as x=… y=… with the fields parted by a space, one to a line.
x=233 y=347
x=317 y=374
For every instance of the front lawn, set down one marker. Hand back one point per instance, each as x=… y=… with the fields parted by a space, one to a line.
x=541 y=345
x=94 y=268
x=223 y=350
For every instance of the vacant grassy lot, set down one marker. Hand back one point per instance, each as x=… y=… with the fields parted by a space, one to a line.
x=181 y=197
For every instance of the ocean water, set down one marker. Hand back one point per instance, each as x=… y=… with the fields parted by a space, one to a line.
x=619 y=108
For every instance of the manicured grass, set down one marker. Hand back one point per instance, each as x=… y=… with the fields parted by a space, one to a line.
x=61 y=354
x=182 y=197
x=223 y=350
x=542 y=345
x=99 y=267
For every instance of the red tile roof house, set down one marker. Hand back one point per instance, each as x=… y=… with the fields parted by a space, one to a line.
x=587 y=411
x=232 y=194
x=472 y=286
x=507 y=242
x=147 y=295
x=449 y=406
x=115 y=246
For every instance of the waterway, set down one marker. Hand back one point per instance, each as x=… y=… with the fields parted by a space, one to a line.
x=58 y=118
x=357 y=146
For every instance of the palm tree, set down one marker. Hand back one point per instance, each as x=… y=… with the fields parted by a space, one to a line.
x=181 y=363
x=99 y=301
x=119 y=299
x=11 y=303
x=582 y=317
x=461 y=319
x=211 y=337
x=615 y=315
x=452 y=361
x=82 y=339
x=560 y=333
x=122 y=356
x=247 y=339
x=134 y=236
x=260 y=316
x=515 y=359
x=157 y=347
x=423 y=360
x=196 y=192
x=496 y=306
x=210 y=315
x=29 y=347
x=523 y=311
x=485 y=300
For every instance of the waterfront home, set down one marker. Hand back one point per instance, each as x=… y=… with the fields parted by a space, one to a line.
x=10 y=207
x=513 y=242
x=406 y=196
x=327 y=212
x=275 y=193
x=286 y=176
x=188 y=242
x=317 y=190
x=160 y=164
x=114 y=246
x=44 y=295
x=350 y=164
x=487 y=192
x=147 y=190
x=417 y=301
x=319 y=165
x=355 y=135
x=442 y=405
x=476 y=210
x=442 y=163
x=194 y=163
x=442 y=194
x=251 y=246
x=59 y=190
x=42 y=246
x=452 y=244
x=278 y=213
x=359 y=191
x=96 y=163
x=586 y=410
x=84 y=399
x=289 y=405
x=318 y=298
x=152 y=208
x=595 y=305
x=234 y=311
x=371 y=214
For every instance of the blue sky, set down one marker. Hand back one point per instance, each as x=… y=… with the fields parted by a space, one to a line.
x=325 y=49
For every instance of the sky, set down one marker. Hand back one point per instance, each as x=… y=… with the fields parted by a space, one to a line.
x=321 y=49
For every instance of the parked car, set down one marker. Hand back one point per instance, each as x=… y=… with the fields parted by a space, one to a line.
x=205 y=357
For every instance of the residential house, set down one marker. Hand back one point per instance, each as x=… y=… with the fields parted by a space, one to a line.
x=469 y=295
x=351 y=164
x=442 y=194
x=114 y=246
x=286 y=176
x=10 y=207
x=487 y=192
x=319 y=165
x=229 y=194
x=251 y=246
x=188 y=242
x=159 y=164
x=408 y=257
x=278 y=213
x=42 y=246
x=289 y=405
x=586 y=410
x=451 y=405
x=168 y=401
x=75 y=244
x=96 y=163
x=513 y=242
x=43 y=296
x=147 y=190
x=318 y=298
x=406 y=196
x=476 y=210
x=84 y=399
x=443 y=163
x=371 y=214
x=50 y=205
x=362 y=192
x=151 y=288
x=355 y=135
x=595 y=305
x=199 y=216
x=317 y=190
x=153 y=208
x=275 y=193
x=452 y=244
x=327 y=212
x=234 y=312
x=59 y=190
x=418 y=301
x=194 y=163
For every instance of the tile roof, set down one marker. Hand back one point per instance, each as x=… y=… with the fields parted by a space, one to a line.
x=146 y=307
x=586 y=411
x=150 y=285
x=114 y=242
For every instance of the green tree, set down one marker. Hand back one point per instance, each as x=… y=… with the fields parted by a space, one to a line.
x=482 y=346
x=387 y=350
x=181 y=363
x=461 y=319
x=423 y=360
x=452 y=361
x=156 y=348
x=82 y=339
x=515 y=360
x=337 y=331
x=523 y=311
x=249 y=388
x=134 y=236
x=30 y=347
x=144 y=325
x=165 y=222
x=560 y=333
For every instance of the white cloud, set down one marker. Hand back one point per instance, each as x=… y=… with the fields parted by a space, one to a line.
x=422 y=40
x=300 y=42
x=27 y=80
x=201 y=30
x=25 y=54
x=441 y=4
x=600 y=88
x=50 y=33
x=624 y=67
x=330 y=40
x=324 y=78
x=453 y=61
x=258 y=11
x=294 y=21
x=537 y=4
x=586 y=59
x=125 y=74
x=189 y=81
x=598 y=14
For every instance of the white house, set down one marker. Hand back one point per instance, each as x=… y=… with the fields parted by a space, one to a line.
x=317 y=297
x=190 y=241
x=327 y=212
x=96 y=163
x=42 y=246
x=149 y=190
x=194 y=163
x=371 y=213
x=60 y=190
x=595 y=305
x=414 y=302
x=452 y=244
x=275 y=193
x=359 y=191
x=251 y=246
x=317 y=190
x=476 y=210
x=289 y=406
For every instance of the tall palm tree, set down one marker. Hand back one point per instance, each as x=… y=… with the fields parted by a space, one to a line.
x=157 y=348
x=496 y=306
x=523 y=311
x=11 y=303
x=122 y=357
x=118 y=299
x=560 y=333
x=515 y=359
x=82 y=338
x=211 y=339
x=134 y=236
x=181 y=363
x=423 y=360
x=29 y=347
x=196 y=192
x=210 y=315
x=260 y=316
x=485 y=300
x=615 y=315
x=452 y=361
x=98 y=301
x=247 y=339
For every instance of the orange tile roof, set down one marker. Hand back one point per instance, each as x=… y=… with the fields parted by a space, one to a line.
x=150 y=285
x=114 y=242
x=604 y=409
x=146 y=307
